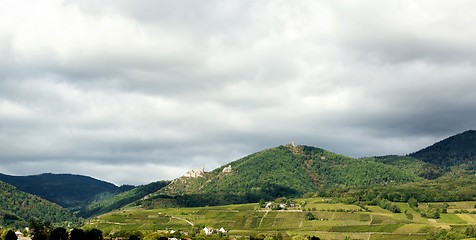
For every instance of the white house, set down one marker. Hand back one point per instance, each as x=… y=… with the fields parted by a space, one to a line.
x=222 y=230
x=208 y=231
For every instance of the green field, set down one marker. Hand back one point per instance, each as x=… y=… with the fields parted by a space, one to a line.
x=333 y=220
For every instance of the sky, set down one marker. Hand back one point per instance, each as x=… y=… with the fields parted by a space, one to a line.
x=138 y=91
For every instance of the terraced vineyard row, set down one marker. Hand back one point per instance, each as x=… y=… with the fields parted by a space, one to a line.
x=332 y=220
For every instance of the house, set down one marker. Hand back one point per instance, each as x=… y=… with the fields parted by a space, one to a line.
x=222 y=230
x=208 y=231
x=268 y=205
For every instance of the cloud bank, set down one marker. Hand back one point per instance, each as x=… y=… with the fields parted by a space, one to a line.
x=138 y=91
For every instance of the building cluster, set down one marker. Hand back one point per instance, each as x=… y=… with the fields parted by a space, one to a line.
x=195 y=173
x=210 y=231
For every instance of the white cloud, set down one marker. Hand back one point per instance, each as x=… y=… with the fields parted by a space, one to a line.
x=177 y=85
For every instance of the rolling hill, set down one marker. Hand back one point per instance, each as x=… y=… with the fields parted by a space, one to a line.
x=290 y=170
x=282 y=171
x=68 y=190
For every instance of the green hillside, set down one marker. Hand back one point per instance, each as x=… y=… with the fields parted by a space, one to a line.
x=282 y=171
x=121 y=199
x=412 y=165
x=459 y=149
x=17 y=208
x=68 y=190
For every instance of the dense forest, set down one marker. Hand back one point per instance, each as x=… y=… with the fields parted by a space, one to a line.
x=18 y=207
x=453 y=151
x=68 y=190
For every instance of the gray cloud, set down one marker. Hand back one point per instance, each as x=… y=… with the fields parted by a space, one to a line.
x=133 y=92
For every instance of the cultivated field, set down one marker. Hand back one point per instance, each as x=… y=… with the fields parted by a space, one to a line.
x=332 y=220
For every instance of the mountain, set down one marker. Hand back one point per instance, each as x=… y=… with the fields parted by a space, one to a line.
x=291 y=170
x=68 y=190
x=456 y=150
x=282 y=171
x=17 y=208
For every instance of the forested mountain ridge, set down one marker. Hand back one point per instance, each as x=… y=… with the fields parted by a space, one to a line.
x=293 y=170
x=282 y=171
x=68 y=190
x=286 y=170
x=17 y=208
x=459 y=149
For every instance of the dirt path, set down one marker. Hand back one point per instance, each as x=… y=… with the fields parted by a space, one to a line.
x=183 y=219
x=266 y=214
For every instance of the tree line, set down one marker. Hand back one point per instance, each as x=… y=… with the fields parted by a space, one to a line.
x=43 y=230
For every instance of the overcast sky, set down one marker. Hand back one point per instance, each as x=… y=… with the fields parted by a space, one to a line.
x=138 y=91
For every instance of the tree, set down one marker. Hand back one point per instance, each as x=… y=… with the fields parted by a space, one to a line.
x=310 y=216
x=11 y=235
x=262 y=203
x=77 y=234
x=59 y=234
x=134 y=237
x=412 y=202
x=40 y=229
x=93 y=234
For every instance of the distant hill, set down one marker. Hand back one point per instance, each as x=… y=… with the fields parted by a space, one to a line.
x=282 y=171
x=121 y=199
x=68 y=190
x=457 y=150
x=412 y=165
x=17 y=208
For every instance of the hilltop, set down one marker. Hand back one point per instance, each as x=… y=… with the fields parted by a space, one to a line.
x=286 y=170
x=290 y=171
